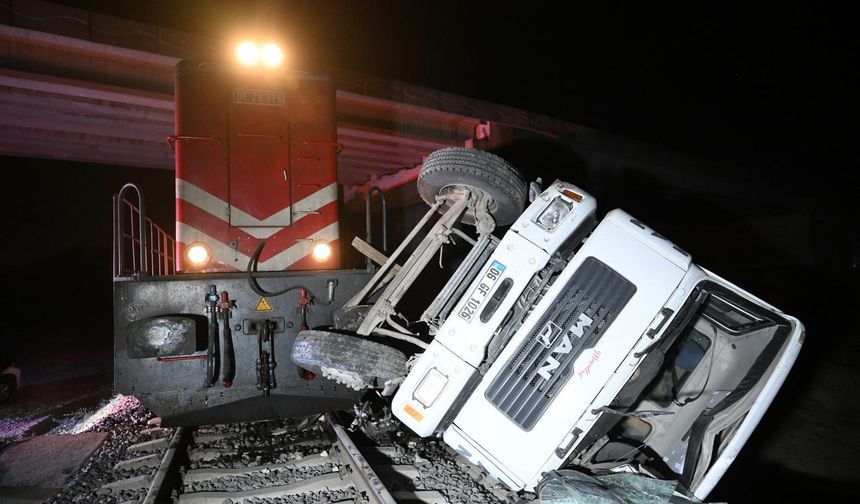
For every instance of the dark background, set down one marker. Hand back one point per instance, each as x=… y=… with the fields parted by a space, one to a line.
x=765 y=94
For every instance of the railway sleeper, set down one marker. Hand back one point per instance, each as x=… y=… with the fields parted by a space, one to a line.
x=151 y=460
x=326 y=482
x=195 y=475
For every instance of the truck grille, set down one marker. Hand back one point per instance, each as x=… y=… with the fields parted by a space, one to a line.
x=543 y=363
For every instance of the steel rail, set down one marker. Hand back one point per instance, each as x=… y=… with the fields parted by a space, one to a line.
x=364 y=476
x=157 y=489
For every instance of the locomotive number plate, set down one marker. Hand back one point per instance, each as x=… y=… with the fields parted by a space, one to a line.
x=258 y=97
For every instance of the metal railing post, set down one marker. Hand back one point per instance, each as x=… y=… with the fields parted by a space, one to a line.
x=368 y=224
x=116 y=244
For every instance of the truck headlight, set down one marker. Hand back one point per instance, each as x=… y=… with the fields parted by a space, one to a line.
x=553 y=214
x=430 y=387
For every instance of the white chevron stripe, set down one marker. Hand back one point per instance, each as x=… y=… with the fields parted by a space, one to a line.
x=299 y=250
x=189 y=192
x=214 y=205
x=238 y=260
x=261 y=232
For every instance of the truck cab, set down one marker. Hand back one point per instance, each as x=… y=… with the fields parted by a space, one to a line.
x=630 y=356
x=564 y=343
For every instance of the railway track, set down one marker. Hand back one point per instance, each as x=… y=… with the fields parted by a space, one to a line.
x=313 y=460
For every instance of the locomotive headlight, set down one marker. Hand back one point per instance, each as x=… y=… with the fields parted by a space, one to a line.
x=271 y=55
x=430 y=387
x=197 y=254
x=553 y=214
x=247 y=53
x=321 y=251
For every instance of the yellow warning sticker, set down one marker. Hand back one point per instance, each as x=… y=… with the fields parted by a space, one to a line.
x=263 y=305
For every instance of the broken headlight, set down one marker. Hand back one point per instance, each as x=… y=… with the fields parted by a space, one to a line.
x=553 y=214
x=430 y=387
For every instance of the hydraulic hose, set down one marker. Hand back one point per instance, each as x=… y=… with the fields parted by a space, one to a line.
x=212 y=356
x=229 y=359
x=255 y=286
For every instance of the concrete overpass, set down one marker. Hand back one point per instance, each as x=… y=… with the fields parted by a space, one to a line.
x=80 y=86
x=76 y=85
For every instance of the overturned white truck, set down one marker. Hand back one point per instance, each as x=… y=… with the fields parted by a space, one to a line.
x=565 y=342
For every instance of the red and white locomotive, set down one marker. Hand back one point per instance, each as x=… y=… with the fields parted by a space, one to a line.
x=255 y=160
x=203 y=325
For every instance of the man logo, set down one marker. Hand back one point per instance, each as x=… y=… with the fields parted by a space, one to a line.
x=577 y=329
x=547 y=335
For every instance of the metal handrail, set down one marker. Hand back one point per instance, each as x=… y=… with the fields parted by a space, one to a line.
x=153 y=249
x=171 y=140
x=368 y=224
x=161 y=250
x=119 y=233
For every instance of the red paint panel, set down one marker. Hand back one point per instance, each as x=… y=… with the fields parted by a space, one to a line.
x=201 y=94
x=259 y=150
x=313 y=137
x=259 y=142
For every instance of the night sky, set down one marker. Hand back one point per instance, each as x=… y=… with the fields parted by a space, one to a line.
x=771 y=90
x=765 y=87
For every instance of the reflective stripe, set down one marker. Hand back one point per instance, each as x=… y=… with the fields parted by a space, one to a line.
x=300 y=250
x=261 y=232
x=214 y=205
x=280 y=261
x=190 y=193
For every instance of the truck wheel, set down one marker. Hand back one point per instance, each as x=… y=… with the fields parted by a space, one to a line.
x=446 y=169
x=355 y=362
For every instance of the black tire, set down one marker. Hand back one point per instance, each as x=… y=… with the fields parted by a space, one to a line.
x=7 y=387
x=457 y=166
x=374 y=362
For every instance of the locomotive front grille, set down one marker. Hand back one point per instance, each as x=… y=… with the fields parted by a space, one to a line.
x=543 y=363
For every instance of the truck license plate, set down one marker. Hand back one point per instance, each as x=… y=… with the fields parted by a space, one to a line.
x=470 y=309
